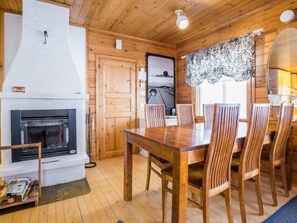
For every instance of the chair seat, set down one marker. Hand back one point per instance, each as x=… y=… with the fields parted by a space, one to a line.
x=265 y=152
x=265 y=156
x=195 y=174
x=161 y=163
x=235 y=161
x=235 y=164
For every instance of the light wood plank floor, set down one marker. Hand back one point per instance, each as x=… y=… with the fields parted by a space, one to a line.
x=105 y=203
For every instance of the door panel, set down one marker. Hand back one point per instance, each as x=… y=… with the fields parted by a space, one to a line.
x=116 y=104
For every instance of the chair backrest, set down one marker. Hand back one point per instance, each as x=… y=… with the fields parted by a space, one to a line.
x=154 y=115
x=185 y=114
x=278 y=147
x=208 y=110
x=253 y=144
x=219 y=154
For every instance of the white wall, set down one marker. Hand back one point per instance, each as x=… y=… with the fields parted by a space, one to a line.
x=12 y=37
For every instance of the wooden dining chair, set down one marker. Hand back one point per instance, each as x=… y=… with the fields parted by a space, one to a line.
x=275 y=155
x=247 y=166
x=214 y=177
x=208 y=110
x=185 y=114
x=155 y=117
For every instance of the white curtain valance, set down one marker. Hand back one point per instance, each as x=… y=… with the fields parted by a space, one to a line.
x=233 y=58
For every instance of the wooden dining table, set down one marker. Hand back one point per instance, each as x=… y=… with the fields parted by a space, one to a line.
x=181 y=146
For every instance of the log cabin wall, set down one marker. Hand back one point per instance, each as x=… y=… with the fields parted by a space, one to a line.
x=103 y=43
x=269 y=21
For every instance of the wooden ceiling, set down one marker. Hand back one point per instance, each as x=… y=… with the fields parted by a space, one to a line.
x=155 y=19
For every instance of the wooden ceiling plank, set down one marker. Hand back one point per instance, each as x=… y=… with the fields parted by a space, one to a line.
x=137 y=14
x=197 y=20
x=115 y=16
x=97 y=12
x=84 y=11
x=215 y=26
x=199 y=26
x=20 y=5
x=75 y=9
x=95 y=5
x=3 y=5
x=60 y=1
x=156 y=17
x=162 y=20
x=229 y=16
x=12 y=5
x=103 y=16
x=69 y=2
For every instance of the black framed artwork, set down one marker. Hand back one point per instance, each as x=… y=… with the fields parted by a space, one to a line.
x=161 y=81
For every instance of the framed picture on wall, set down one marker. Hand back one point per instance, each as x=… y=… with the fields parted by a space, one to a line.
x=161 y=81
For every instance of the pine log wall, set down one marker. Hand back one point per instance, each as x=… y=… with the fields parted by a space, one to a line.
x=269 y=21
x=103 y=43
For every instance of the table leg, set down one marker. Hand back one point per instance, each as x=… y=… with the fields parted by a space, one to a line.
x=180 y=187
x=127 y=170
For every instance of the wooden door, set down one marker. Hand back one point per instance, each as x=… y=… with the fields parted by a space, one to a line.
x=116 y=102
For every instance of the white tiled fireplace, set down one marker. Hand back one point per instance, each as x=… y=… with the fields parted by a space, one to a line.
x=48 y=73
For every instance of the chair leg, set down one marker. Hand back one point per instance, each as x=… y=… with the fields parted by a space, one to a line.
x=148 y=174
x=242 y=200
x=164 y=198
x=284 y=178
x=205 y=209
x=258 y=191
x=272 y=185
x=228 y=201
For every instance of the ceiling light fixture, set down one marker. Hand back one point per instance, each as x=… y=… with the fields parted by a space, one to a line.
x=182 y=21
x=287 y=16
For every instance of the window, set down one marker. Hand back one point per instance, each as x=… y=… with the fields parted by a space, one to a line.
x=226 y=90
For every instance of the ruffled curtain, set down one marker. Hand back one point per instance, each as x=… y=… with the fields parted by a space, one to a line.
x=233 y=58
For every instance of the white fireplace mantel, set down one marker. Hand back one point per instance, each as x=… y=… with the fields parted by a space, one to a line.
x=52 y=81
x=64 y=96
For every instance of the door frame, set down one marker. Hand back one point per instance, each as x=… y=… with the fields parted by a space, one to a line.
x=99 y=101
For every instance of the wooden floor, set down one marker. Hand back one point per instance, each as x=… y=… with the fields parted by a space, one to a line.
x=105 y=203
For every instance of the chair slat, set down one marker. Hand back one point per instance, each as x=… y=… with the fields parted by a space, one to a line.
x=208 y=110
x=185 y=114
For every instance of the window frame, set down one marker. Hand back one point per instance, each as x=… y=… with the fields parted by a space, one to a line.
x=250 y=100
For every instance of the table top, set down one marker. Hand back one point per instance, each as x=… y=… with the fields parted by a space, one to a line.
x=187 y=137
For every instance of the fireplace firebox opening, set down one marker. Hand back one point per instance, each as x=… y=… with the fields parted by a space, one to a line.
x=55 y=129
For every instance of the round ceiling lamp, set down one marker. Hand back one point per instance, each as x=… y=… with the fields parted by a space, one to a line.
x=182 y=21
x=287 y=16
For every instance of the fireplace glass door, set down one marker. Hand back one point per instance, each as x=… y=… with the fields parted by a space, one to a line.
x=55 y=129
x=53 y=133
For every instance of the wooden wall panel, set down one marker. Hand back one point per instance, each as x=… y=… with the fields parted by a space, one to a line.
x=103 y=43
x=269 y=21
